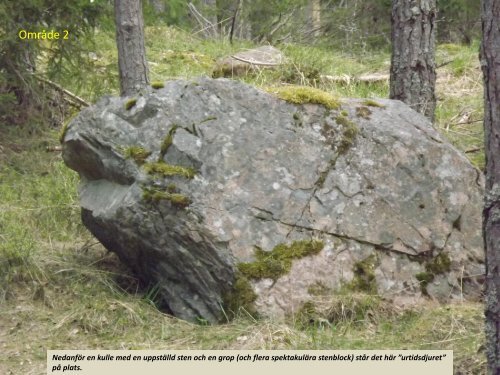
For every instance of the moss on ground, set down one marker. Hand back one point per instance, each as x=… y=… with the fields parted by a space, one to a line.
x=278 y=262
x=341 y=308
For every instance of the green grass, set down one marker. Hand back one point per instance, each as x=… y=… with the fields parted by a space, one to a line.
x=459 y=111
x=60 y=289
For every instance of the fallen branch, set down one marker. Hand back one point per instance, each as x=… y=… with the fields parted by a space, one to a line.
x=260 y=63
x=53 y=149
x=207 y=27
x=61 y=89
x=473 y=149
x=346 y=79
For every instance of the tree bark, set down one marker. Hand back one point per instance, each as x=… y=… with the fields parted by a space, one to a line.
x=413 y=68
x=315 y=17
x=132 y=64
x=490 y=62
x=158 y=5
x=210 y=11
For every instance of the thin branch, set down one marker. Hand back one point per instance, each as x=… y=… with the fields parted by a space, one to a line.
x=206 y=25
x=474 y=149
x=233 y=23
x=59 y=88
x=255 y=62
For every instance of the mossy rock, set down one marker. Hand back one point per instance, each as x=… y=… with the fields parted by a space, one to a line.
x=178 y=200
x=129 y=104
x=424 y=278
x=364 y=276
x=318 y=289
x=157 y=85
x=167 y=141
x=349 y=133
x=163 y=169
x=171 y=188
x=240 y=297
x=139 y=154
x=373 y=103
x=439 y=265
x=349 y=308
x=305 y=95
x=278 y=262
x=363 y=112
x=63 y=131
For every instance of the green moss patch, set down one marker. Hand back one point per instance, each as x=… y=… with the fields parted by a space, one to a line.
x=240 y=297
x=349 y=132
x=178 y=200
x=318 y=289
x=167 y=142
x=424 y=278
x=364 y=276
x=304 y=95
x=373 y=103
x=342 y=308
x=363 y=112
x=129 y=104
x=139 y=154
x=171 y=188
x=164 y=169
x=278 y=262
x=157 y=85
x=440 y=264
x=63 y=132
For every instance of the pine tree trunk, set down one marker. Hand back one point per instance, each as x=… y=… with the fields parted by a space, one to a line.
x=158 y=5
x=413 y=70
x=490 y=62
x=315 y=17
x=132 y=64
x=210 y=11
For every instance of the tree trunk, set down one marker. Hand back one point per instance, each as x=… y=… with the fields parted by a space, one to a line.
x=132 y=64
x=315 y=17
x=209 y=10
x=413 y=68
x=490 y=62
x=158 y=5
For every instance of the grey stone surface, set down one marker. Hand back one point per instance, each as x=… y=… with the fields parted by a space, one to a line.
x=400 y=197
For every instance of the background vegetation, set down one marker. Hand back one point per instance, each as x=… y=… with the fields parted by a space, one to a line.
x=60 y=289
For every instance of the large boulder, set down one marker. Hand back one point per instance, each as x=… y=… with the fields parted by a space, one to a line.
x=224 y=196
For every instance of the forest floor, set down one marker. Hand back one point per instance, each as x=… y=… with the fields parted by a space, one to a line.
x=59 y=289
